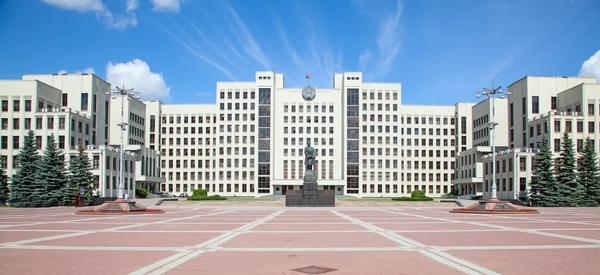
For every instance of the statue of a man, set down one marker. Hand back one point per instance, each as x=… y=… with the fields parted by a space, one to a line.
x=310 y=155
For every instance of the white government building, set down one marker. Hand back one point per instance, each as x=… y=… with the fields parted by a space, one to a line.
x=251 y=141
x=537 y=107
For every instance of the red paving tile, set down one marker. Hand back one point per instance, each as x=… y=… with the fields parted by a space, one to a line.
x=496 y=238
x=588 y=234
x=186 y=227
x=538 y=261
x=430 y=226
x=134 y=239
x=324 y=239
x=28 y=261
x=69 y=226
x=281 y=263
x=308 y=227
x=293 y=221
x=542 y=225
x=15 y=236
x=93 y=260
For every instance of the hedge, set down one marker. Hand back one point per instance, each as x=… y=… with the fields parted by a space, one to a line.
x=416 y=195
x=413 y=199
x=206 y=198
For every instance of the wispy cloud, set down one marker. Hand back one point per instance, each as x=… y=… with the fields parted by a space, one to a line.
x=166 y=5
x=196 y=52
x=119 y=21
x=235 y=50
x=115 y=20
x=318 y=58
x=388 y=41
x=244 y=35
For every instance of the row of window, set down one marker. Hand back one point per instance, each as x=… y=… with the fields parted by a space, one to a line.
x=50 y=124
x=229 y=163
x=186 y=119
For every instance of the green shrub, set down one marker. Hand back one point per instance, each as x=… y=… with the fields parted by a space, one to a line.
x=200 y=193
x=141 y=193
x=417 y=194
x=207 y=198
x=413 y=199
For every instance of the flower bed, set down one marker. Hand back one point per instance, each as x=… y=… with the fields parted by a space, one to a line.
x=119 y=212
x=496 y=211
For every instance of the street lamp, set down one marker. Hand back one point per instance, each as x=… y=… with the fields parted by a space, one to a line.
x=493 y=93
x=123 y=93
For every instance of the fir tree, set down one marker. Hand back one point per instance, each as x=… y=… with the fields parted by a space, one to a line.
x=588 y=173
x=4 y=191
x=570 y=190
x=543 y=178
x=24 y=191
x=80 y=177
x=51 y=174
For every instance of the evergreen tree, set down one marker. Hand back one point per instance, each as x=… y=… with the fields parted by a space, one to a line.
x=51 y=174
x=570 y=190
x=4 y=191
x=24 y=191
x=588 y=173
x=543 y=178
x=80 y=177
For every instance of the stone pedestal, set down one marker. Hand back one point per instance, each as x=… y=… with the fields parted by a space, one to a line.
x=310 y=196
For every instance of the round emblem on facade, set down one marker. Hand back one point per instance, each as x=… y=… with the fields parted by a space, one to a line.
x=309 y=93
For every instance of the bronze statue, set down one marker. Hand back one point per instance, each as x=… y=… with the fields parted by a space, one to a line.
x=310 y=154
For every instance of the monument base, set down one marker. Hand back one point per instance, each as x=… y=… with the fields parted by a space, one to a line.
x=310 y=198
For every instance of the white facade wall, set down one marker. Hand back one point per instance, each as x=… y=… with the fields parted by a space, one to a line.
x=468 y=178
x=532 y=96
x=85 y=93
x=482 y=116
x=18 y=116
x=188 y=144
x=134 y=116
x=105 y=162
x=513 y=173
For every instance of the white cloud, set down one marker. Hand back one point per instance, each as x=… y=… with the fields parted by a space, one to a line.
x=89 y=70
x=591 y=67
x=363 y=59
x=120 y=21
x=245 y=36
x=205 y=94
x=389 y=41
x=78 y=5
x=166 y=5
x=137 y=74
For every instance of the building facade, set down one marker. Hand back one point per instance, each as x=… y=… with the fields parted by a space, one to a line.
x=251 y=141
x=34 y=105
x=128 y=118
x=538 y=108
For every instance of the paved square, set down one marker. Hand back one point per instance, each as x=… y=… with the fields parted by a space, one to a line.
x=274 y=240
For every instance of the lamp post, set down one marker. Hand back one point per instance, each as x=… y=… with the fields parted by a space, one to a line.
x=491 y=94
x=123 y=93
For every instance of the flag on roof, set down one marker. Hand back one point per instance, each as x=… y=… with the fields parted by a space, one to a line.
x=307 y=75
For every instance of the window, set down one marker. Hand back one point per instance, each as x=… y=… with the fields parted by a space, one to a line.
x=535 y=104
x=84 y=101
x=65 y=100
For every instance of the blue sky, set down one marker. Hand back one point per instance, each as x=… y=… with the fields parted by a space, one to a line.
x=175 y=50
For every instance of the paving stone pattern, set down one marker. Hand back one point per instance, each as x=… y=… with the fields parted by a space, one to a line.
x=277 y=240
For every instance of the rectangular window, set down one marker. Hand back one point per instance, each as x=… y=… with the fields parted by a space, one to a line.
x=65 y=100
x=84 y=101
x=535 y=104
